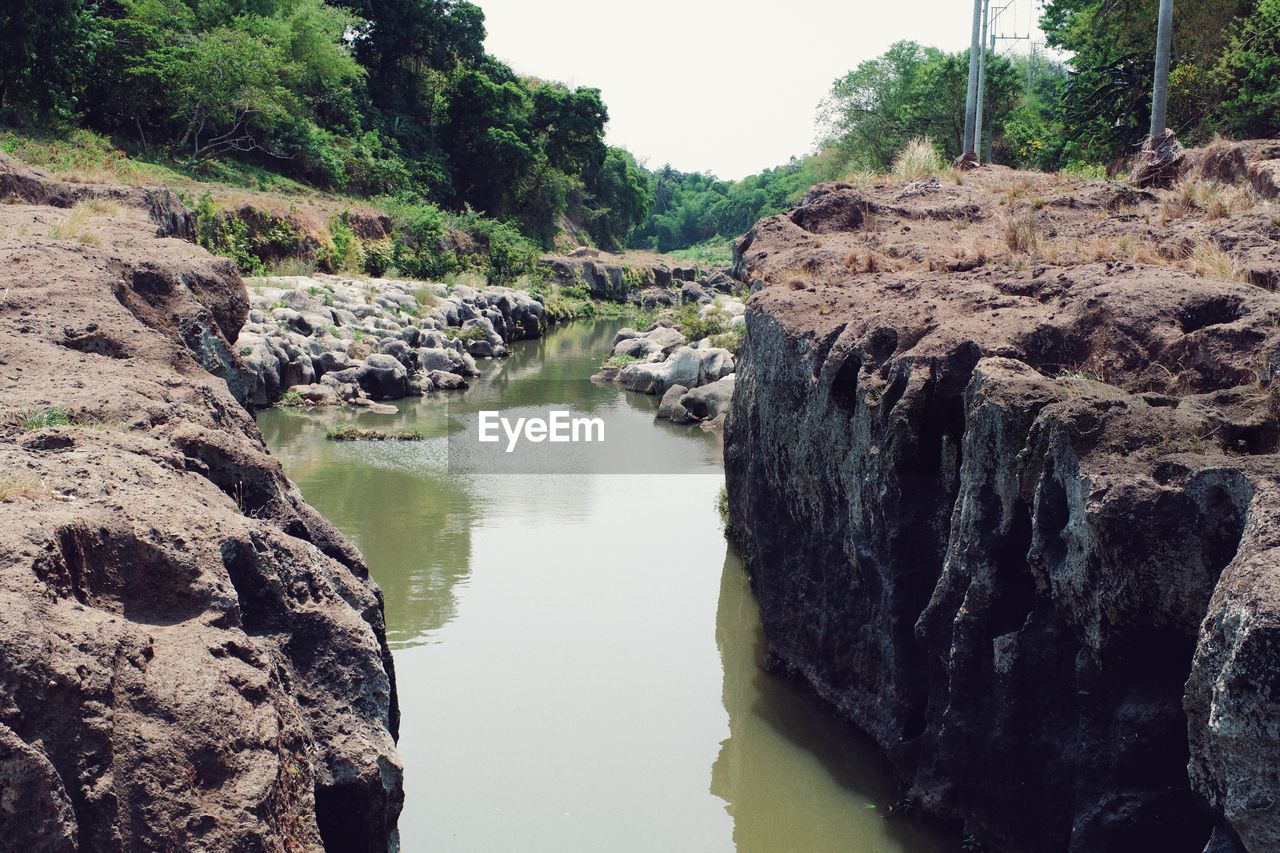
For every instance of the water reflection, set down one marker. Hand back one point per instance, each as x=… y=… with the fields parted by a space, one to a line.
x=563 y=685
x=793 y=777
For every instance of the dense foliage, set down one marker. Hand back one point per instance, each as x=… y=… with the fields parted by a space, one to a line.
x=361 y=96
x=1226 y=61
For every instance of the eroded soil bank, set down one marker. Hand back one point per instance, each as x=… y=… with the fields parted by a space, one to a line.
x=1003 y=454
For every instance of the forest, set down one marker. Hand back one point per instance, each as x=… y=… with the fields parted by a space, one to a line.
x=398 y=100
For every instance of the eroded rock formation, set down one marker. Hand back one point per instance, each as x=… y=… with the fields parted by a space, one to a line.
x=1004 y=458
x=191 y=658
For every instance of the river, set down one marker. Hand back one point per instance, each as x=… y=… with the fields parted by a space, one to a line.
x=578 y=656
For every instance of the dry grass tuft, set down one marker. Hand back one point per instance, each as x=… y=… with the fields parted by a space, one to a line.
x=861 y=178
x=918 y=160
x=75 y=225
x=1021 y=235
x=21 y=487
x=867 y=261
x=1214 y=200
x=1209 y=259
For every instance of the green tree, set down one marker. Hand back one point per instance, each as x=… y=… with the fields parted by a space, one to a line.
x=47 y=48
x=1249 y=71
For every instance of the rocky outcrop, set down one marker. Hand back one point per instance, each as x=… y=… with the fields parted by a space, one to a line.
x=377 y=339
x=192 y=657
x=1011 y=508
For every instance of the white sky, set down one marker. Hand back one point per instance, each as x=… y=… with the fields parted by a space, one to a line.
x=726 y=86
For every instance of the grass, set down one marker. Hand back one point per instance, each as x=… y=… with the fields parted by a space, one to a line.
x=21 y=487
x=918 y=160
x=75 y=225
x=467 y=335
x=717 y=253
x=1214 y=200
x=1021 y=235
x=290 y=400
x=349 y=432
x=48 y=417
x=731 y=340
x=1210 y=260
x=619 y=361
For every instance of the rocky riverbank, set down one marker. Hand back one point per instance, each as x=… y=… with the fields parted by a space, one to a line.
x=193 y=658
x=328 y=340
x=694 y=378
x=1003 y=455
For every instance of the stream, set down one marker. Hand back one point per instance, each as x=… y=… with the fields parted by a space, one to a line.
x=578 y=656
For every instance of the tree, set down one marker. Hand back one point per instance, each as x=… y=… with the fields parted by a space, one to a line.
x=1249 y=70
x=622 y=193
x=228 y=91
x=47 y=48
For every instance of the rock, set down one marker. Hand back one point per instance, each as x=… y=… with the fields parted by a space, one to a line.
x=708 y=401
x=1264 y=175
x=35 y=810
x=331 y=361
x=192 y=657
x=693 y=293
x=686 y=366
x=721 y=282
x=444 y=381
x=641 y=348
x=317 y=395
x=652 y=298
x=1050 y=599
x=383 y=378
x=670 y=408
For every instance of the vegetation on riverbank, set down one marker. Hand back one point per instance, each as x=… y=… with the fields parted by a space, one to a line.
x=360 y=98
x=348 y=432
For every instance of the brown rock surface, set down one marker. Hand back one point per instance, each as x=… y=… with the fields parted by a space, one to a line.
x=1005 y=456
x=191 y=658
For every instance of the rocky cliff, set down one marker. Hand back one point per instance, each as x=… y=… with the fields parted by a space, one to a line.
x=1003 y=458
x=191 y=658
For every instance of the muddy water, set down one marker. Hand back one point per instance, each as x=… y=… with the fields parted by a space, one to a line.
x=578 y=655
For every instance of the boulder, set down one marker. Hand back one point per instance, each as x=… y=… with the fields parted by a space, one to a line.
x=670 y=408
x=316 y=395
x=445 y=381
x=708 y=401
x=694 y=293
x=686 y=366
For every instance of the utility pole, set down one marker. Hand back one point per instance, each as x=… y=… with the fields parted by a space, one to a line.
x=991 y=113
x=970 y=103
x=982 y=80
x=1031 y=70
x=1160 y=97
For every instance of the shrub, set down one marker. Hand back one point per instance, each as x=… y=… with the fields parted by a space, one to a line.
x=346 y=254
x=379 y=257
x=225 y=235
x=420 y=233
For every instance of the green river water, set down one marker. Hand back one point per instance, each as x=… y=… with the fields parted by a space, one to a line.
x=578 y=656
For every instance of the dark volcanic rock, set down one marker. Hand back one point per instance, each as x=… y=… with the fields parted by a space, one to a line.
x=192 y=658
x=1019 y=523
